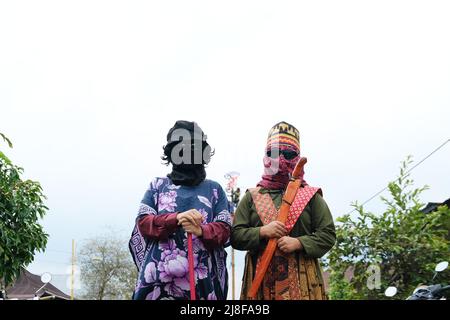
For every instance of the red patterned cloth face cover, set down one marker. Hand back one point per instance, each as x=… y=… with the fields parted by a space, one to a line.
x=277 y=168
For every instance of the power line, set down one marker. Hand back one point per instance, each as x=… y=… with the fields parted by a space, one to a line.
x=407 y=172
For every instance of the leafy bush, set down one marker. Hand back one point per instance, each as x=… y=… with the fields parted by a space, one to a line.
x=21 y=207
x=403 y=242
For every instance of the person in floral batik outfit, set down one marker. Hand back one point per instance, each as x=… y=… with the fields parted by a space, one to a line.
x=182 y=202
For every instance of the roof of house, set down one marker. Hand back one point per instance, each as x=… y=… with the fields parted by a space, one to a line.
x=29 y=285
x=432 y=206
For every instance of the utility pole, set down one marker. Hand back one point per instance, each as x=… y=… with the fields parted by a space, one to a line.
x=233 y=283
x=72 y=279
x=234 y=199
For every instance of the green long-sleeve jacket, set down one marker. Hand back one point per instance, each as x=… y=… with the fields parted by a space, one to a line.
x=315 y=227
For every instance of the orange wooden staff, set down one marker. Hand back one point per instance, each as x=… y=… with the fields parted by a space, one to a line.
x=288 y=198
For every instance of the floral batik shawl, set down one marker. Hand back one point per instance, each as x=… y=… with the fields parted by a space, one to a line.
x=163 y=265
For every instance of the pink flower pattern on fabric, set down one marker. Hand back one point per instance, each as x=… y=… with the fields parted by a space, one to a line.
x=174 y=269
x=167 y=201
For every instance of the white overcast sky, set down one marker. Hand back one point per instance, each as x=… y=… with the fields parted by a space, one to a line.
x=89 y=89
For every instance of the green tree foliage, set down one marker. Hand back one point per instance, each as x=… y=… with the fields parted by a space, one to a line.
x=402 y=241
x=107 y=270
x=21 y=207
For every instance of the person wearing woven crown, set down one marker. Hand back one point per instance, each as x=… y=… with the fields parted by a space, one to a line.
x=294 y=272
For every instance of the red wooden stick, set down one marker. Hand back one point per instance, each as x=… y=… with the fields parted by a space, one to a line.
x=191 y=266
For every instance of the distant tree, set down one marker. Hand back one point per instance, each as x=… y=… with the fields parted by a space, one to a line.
x=107 y=270
x=21 y=207
x=403 y=242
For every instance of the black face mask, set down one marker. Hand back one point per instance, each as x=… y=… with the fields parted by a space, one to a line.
x=187 y=174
